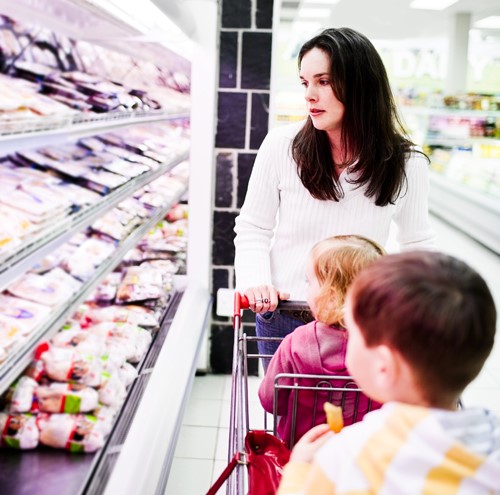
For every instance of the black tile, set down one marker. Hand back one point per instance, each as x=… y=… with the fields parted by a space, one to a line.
x=259 y=119
x=224 y=180
x=223 y=238
x=221 y=348
x=264 y=16
x=256 y=60
x=236 y=13
x=231 y=120
x=220 y=280
x=245 y=165
x=228 y=60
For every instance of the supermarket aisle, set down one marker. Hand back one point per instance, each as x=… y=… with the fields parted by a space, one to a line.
x=201 y=452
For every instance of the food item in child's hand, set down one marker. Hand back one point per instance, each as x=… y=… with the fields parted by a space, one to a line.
x=334 y=417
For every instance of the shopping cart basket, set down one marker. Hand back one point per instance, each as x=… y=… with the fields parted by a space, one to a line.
x=243 y=438
x=248 y=434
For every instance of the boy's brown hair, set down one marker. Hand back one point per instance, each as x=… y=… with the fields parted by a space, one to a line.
x=337 y=260
x=433 y=309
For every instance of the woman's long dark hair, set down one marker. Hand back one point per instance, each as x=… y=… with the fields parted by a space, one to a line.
x=372 y=133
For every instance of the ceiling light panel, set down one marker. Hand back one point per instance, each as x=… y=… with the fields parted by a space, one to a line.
x=319 y=2
x=432 y=4
x=306 y=26
x=313 y=13
x=491 y=22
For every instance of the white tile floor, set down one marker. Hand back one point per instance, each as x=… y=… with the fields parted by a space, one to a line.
x=201 y=452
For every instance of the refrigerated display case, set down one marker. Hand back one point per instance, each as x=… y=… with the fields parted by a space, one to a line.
x=138 y=452
x=464 y=148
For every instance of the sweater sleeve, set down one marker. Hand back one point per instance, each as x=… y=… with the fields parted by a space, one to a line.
x=304 y=479
x=412 y=215
x=255 y=224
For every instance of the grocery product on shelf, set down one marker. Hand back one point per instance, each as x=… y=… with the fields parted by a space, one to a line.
x=462 y=143
x=88 y=363
x=106 y=134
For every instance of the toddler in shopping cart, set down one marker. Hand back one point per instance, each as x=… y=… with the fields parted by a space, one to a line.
x=421 y=325
x=319 y=347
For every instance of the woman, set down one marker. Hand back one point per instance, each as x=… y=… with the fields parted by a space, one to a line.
x=348 y=168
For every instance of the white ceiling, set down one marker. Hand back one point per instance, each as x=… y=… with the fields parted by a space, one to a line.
x=394 y=19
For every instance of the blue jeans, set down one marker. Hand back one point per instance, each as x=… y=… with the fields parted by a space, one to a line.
x=273 y=324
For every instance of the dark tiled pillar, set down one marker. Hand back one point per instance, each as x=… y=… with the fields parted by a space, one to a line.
x=242 y=123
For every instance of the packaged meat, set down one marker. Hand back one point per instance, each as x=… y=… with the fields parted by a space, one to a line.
x=18 y=431
x=102 y=181
x=135 y=315
x=106 y=290
x=135 y=208
x=51 y=289
x=91 y=253
x=63 y=364
x=20 y=315
x=127 y=373
x=66 y=398
x=133 y=339
x=19 y=396
x=105 y=418
x=80 y=340
x=141 y=283
x=116 y=224
x=74 y=432
x=112 y=391
x=35 y=370
x=178 y=212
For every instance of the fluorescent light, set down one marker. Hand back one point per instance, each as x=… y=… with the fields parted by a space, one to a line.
x=150 y=20
x=491 y=22
x=432 y=4
x=322 y=2
x=313 y=13
x=306 y=26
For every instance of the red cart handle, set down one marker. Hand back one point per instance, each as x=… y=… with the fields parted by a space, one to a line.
x=240 y=302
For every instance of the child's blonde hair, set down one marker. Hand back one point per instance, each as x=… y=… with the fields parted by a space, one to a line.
x=336 y=261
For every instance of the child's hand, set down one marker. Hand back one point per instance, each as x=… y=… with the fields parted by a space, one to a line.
x=307 y=446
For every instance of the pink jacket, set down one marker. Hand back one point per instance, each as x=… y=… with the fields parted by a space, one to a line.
x=315 y=349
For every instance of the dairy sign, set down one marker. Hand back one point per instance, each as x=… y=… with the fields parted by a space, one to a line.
x=415 y=61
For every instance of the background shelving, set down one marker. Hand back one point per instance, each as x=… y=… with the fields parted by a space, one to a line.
x=464 y=148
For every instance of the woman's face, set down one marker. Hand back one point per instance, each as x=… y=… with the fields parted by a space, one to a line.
x=325 y=110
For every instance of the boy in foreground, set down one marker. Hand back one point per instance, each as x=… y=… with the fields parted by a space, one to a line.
x=421 y=326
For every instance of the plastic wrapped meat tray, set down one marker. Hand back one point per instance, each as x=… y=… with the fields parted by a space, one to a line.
x=21 y=314
x=51 y=288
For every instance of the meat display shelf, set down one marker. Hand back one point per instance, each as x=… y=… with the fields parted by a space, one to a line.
x=19 y=359
x=47 y=131
x=27 y=255
x=46 y=470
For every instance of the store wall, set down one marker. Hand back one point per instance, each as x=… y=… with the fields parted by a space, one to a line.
x=245 y=46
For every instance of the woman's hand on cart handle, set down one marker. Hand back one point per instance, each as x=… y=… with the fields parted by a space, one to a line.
x=262 y=298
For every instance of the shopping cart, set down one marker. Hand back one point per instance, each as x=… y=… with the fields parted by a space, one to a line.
x=337 y=389
x=239 y=420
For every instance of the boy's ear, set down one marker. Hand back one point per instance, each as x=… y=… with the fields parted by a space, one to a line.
x=387 y=368
x=394 y=377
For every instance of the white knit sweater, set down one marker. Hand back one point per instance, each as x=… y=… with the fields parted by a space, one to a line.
x=280 y=221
